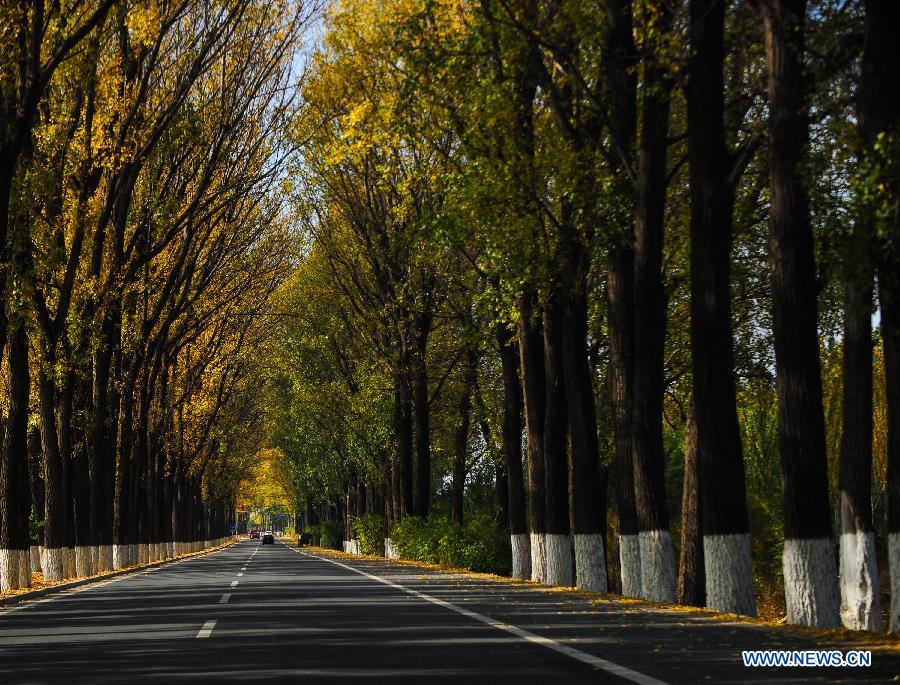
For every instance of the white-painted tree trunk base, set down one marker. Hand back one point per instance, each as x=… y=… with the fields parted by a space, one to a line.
x=105 y=556
x=590 y=562
x=390 y=549
x=35 y=551
x=894 y=568
x=728 y=562
x=9 y=569
x=521 y=556
x=120 y=557
x=538 y=557
x=70 y=562
x=657 y=566
x=559 y=560
x=810 y=583
x=54 y=563
x=860 y=603
x=630 y=565
x=83 y=562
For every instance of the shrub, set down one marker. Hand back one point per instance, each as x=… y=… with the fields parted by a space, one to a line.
x=329 y=534
x=371 y=531
x=438 y=540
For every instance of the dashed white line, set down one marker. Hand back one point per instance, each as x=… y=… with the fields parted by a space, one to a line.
x=234 y=583
x=207 y=629
x=225 y=598
x=240 y=574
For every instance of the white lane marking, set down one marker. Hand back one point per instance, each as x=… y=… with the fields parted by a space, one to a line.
x=207 y=629
x=234 y=583
x=243 y=568
x=225 y=598
x=239 y=575
x=571 y=652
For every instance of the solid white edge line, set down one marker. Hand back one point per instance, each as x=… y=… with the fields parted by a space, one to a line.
x=207 y=628
x=576 y=654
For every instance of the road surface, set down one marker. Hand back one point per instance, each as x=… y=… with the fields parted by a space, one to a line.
x=254 y=613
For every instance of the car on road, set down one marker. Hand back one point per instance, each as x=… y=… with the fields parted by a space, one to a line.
x=254 y=535
x=268 y=538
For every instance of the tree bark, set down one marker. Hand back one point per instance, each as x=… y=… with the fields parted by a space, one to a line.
x=620 y=60
x=15 y=504
x=588 y=499
x=691 y=579
x=657 y=555
x=720 y=460
x=403 y=431
x=461 y=437
x=512 y=454
x=558 y=538
x=534 y=384
x=422 y=419
x=879 y=113
x=56 y=504
x=810 y=579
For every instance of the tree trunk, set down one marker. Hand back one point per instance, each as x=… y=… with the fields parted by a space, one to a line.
x=588 y=499
x=691 y=579
x=15 y=504
x=720 y=461
x=657 y=555
x=620 y=298
x=56 y=505
x=534 y=387
x=422 y=421
x=403 y=430
x=558 y=540
x=620 y=60
x=461 y=437
x=879 y=113
x=810 y=574
x=512 y=454
x=860 y=605
x=78 y=478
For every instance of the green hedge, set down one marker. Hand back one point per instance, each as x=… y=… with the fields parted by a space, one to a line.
x=438 y=540
x=327 y=534
x=370 y=531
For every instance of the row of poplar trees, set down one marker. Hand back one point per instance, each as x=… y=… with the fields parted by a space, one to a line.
x=536 y=176
x=140 y=239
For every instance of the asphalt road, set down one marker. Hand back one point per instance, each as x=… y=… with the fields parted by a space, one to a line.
x=254 y=613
